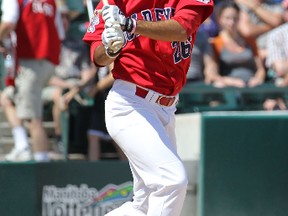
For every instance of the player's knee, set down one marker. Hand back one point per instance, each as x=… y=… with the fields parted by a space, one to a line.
x=178 y=185
x=177 y=176
x=182 y=182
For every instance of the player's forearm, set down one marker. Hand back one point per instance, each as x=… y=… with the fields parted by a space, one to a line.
x=168 y=30
x=101 y=58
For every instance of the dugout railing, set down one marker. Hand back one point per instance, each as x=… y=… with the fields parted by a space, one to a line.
x=199 y=97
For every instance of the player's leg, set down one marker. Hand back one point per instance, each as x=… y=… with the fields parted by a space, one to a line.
x=159 y=176
x=174 y=173
x=141 y=130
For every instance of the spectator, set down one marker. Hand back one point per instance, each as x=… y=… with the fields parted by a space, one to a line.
x=75 y=72
x=210 y=26
x=237 y=56
x=19 y=132
x=97 y=131
x=257 y=18
x=203 y=66
x=277 y=46
x=277 y=61
x=37 y=57
x=285 y=6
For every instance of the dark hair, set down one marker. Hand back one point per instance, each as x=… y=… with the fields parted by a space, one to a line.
x=226 y=4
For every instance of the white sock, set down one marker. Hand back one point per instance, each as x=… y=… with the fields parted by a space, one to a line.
x=41 y=156
x=20 y=137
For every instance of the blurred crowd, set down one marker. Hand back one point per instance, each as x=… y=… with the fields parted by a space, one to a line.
x=66 y=74
x=243 y=44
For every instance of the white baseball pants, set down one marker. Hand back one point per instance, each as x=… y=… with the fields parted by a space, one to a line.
x=145 y=131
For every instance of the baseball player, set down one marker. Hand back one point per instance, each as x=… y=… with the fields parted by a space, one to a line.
x=150 y=42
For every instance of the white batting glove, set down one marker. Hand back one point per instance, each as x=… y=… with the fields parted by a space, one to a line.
x=112 y=14
x=113 y=39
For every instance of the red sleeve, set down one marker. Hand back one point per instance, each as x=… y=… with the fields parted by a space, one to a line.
x=191 y=14
x=93 y=46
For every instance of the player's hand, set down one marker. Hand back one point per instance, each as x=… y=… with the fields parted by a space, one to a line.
x=110 y=35
x=111 y=14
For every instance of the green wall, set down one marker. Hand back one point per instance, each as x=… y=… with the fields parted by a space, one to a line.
x=244 y=164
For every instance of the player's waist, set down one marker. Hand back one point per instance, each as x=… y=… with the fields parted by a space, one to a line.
x=150 y=95
x=155 y=97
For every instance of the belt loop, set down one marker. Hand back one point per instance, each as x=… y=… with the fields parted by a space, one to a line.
x=141 y=92
x=154 y=97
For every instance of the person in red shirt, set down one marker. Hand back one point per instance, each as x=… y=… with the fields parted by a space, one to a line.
x=150 y=43
x=37 y=52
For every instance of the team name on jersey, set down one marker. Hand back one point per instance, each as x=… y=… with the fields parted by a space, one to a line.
x=182 y=50
x=159 y=14
x=43 y=8
x=149 y=15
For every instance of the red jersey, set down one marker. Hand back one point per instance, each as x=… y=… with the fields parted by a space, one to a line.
x=158 y=65
x=37 y=36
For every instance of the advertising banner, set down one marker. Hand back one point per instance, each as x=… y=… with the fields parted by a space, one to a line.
x=84 y=200
x=67 y=188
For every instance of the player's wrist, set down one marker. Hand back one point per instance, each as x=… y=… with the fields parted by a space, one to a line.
x=130 y=25
x=112 y=54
